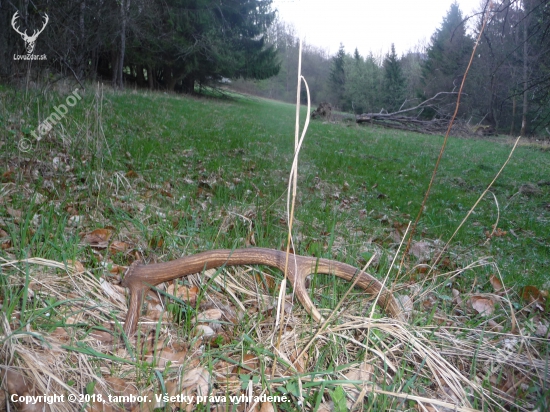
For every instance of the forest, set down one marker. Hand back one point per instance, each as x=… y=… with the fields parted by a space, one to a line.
x=183 y=45
x=507 y=85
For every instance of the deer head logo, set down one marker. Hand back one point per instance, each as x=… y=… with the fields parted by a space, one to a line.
x=29 y=40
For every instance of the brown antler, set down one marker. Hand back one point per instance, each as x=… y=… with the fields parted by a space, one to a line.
x=140 y=278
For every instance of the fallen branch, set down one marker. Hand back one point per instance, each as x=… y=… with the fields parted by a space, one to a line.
x=396 y=120
x=404 y=122
x=140 y=278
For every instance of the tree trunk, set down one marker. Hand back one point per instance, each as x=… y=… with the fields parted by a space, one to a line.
x=524 y=125
x=114 y=66
x=188 y=84
x=81 y=58
x=124 y=9
x=140 y=77
x=7 y=40
x=513 y=115
x=166 y=76
x=150 y=78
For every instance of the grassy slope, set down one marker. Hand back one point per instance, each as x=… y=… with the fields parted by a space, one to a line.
x=186 y=141
x=251 y=141
x=210 y=172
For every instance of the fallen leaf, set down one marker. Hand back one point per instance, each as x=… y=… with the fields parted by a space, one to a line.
x=422 y=250
x=118 y=246
x=542 y=329
x=363 y=372
x=185 y=293
x=19 y=386
x=204 y=330
x=251 y=363
x=174 y=389
x=163 y=356
x=98 y=237
x=76 y=265
x=532 y=295
x=156 y=242
x=447 y=263
x=495 y=327
x=14 y=213
x=117 y=269
x=499 y=232
x=395 y=236
x=198 y=379
x=267 y=407
x=147 y=406
x=76 y=220
x=7 y=176
x=496 y=283
x=405 y=302
x=484 y=306
x=209 y=315
x=71 y=210
x=250 y=239
x=456 y=297
x=302 y=361
x=100 y=406
x=60 y=334
x=119 y=387
x=102 y=336
x=429 y=302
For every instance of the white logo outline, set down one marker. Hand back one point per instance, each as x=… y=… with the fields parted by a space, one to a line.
x=30 y=41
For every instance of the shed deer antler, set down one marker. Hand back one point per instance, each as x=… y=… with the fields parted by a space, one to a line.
x=140 y=278
x=29 y=40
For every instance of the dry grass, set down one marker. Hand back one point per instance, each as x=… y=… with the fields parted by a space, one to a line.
x=448 y=365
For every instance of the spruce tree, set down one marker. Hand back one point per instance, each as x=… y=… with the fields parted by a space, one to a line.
x=447 y=54
x=394 y=82
x=337 y=77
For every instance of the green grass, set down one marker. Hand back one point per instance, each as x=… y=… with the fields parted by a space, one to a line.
x=244 y=147
x=173 y=175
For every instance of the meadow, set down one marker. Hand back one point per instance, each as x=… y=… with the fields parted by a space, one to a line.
x=134 y=175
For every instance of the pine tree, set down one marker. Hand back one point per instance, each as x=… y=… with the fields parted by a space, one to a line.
x=394 y=82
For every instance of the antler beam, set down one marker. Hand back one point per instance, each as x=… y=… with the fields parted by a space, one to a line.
x=140 y=278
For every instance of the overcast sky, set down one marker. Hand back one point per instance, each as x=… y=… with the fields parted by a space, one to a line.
x=369 y=25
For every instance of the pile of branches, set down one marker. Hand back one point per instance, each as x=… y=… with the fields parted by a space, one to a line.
x=400 y=120
x=394 y=121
